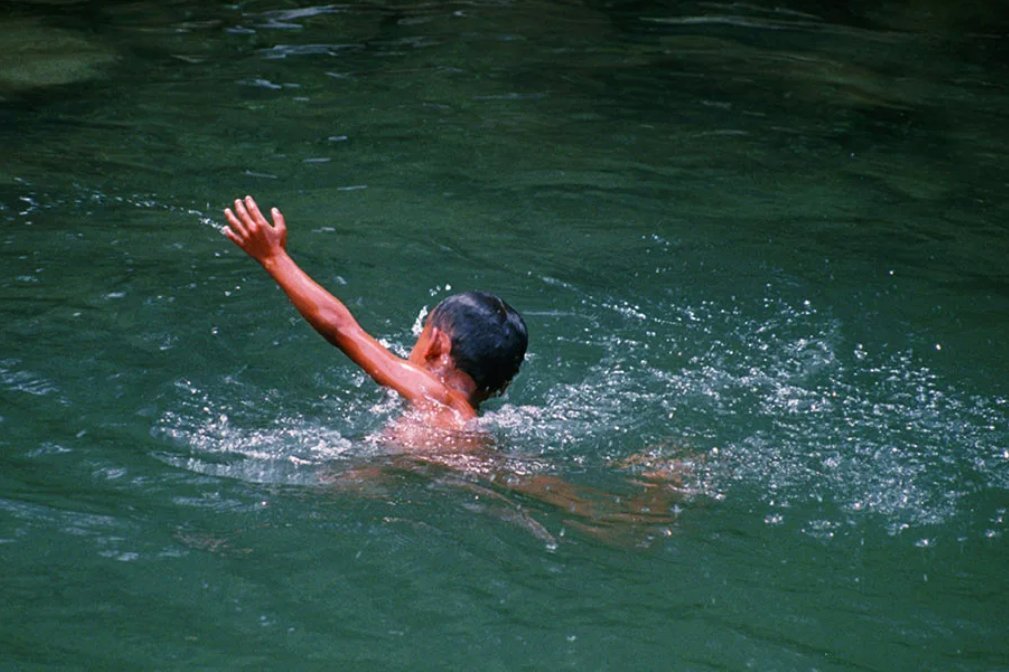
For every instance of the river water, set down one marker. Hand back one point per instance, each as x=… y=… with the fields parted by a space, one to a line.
x=766 y=240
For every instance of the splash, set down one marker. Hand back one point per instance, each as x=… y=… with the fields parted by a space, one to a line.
x=33 y=201
x=782 y=408
x=220 y=439
x=872 y=433
x=770 y=401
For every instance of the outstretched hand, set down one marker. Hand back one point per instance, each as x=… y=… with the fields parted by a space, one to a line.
x=248 y=229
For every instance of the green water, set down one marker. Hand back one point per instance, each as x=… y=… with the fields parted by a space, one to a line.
x=771 y=238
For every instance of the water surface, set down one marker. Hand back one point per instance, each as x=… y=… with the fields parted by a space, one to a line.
x=770 y=239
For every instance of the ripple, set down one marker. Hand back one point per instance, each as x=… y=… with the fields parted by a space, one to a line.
x=14 y=379
x=294 y=50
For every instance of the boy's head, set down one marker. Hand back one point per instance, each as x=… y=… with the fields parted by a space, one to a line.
x=488 y=338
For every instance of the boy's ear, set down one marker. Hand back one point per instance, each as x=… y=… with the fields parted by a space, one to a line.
x=441 y=343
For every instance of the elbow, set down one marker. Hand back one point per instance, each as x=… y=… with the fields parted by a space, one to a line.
x=335 y=320
x=337 y=327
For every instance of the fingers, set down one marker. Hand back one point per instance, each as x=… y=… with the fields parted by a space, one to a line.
x=231 y=235
x=278 y=221
x=253 y=209
x=248 y=223
x=235 y=223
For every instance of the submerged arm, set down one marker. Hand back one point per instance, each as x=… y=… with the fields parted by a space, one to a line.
x=267 y=244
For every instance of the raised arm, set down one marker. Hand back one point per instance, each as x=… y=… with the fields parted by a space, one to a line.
x=267 y=244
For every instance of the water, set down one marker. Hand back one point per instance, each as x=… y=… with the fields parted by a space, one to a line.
x=766 y=239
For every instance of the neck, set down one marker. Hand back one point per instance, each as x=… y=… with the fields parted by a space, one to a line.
x=461 y=382
x=457 y=381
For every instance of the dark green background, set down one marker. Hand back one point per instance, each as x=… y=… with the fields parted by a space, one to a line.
x=773 y=235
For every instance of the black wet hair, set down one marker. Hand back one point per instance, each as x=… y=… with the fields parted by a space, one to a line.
x=489 y=338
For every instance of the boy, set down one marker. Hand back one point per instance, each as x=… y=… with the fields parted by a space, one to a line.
x=471 y=347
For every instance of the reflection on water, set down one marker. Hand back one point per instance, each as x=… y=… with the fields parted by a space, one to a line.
x=768 y=241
